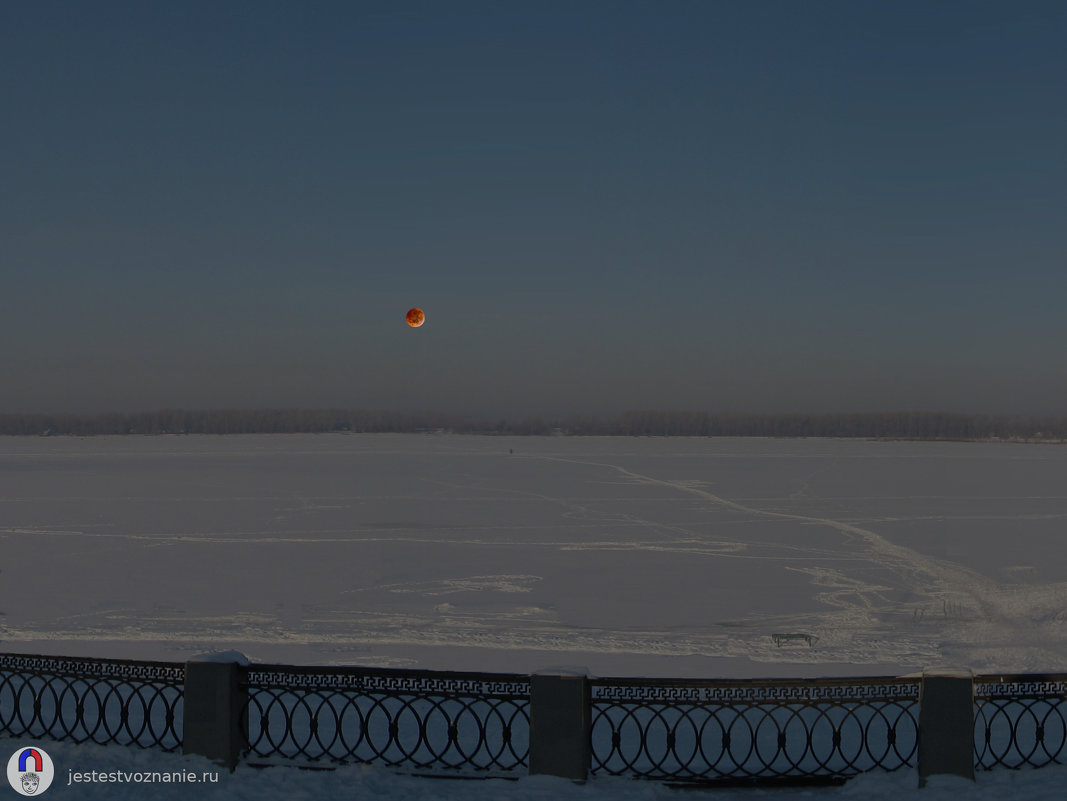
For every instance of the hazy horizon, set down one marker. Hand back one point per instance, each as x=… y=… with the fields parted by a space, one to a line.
x=767 y=207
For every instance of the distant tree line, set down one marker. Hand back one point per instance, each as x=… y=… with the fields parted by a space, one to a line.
x=880 y=425
x=883 y=425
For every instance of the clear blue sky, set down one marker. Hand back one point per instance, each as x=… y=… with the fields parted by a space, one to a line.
x=724 y=206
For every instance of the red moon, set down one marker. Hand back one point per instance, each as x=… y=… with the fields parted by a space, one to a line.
x=415 y=317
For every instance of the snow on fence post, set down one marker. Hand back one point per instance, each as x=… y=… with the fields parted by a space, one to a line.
x=561 y=706
x=213 y=707
x=946 y=724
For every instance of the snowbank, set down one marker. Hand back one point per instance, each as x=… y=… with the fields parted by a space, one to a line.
x=373 y=782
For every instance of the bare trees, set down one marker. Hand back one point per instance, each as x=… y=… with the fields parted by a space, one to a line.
x=657 y=423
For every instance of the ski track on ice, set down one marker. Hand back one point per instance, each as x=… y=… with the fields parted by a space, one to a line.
x=1006 y=626
x=1001 y=609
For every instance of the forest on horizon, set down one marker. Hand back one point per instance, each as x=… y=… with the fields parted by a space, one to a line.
x=880 y=425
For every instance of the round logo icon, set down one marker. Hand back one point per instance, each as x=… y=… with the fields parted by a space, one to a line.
x=30 y=770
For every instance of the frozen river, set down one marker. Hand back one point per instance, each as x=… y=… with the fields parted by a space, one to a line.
x=663 y=557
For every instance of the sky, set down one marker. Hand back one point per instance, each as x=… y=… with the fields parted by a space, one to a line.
x=742 y=205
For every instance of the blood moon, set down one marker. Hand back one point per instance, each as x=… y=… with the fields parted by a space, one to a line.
x=415 y=317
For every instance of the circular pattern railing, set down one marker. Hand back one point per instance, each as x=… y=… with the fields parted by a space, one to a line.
x=684 y=730
x=92 y=700
x=1020 y=720
x=461 y=722
x=708 y=731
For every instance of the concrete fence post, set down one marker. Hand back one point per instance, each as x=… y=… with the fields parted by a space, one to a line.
x=560 y=711
x=214 y=706
x=946 y=724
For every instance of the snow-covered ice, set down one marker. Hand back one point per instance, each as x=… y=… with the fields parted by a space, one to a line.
x=659 y=557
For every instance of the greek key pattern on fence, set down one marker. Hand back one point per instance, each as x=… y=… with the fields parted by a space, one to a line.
x=1020 y=720
x=450 y=722
x=92 y=700
x=716 y=730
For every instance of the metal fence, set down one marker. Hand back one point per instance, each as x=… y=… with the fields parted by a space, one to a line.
x=92 y=700
x=490 y=724
x=716 y=730
x=416 y=719
x=1020 y=720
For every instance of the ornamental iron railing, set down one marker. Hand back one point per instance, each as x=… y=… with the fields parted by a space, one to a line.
x=92 y=700
x=485 y=724
x=434 y=721
x=1020 y=720
x=751 y=730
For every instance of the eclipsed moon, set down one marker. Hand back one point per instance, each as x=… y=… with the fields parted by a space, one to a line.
x=415 y=317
